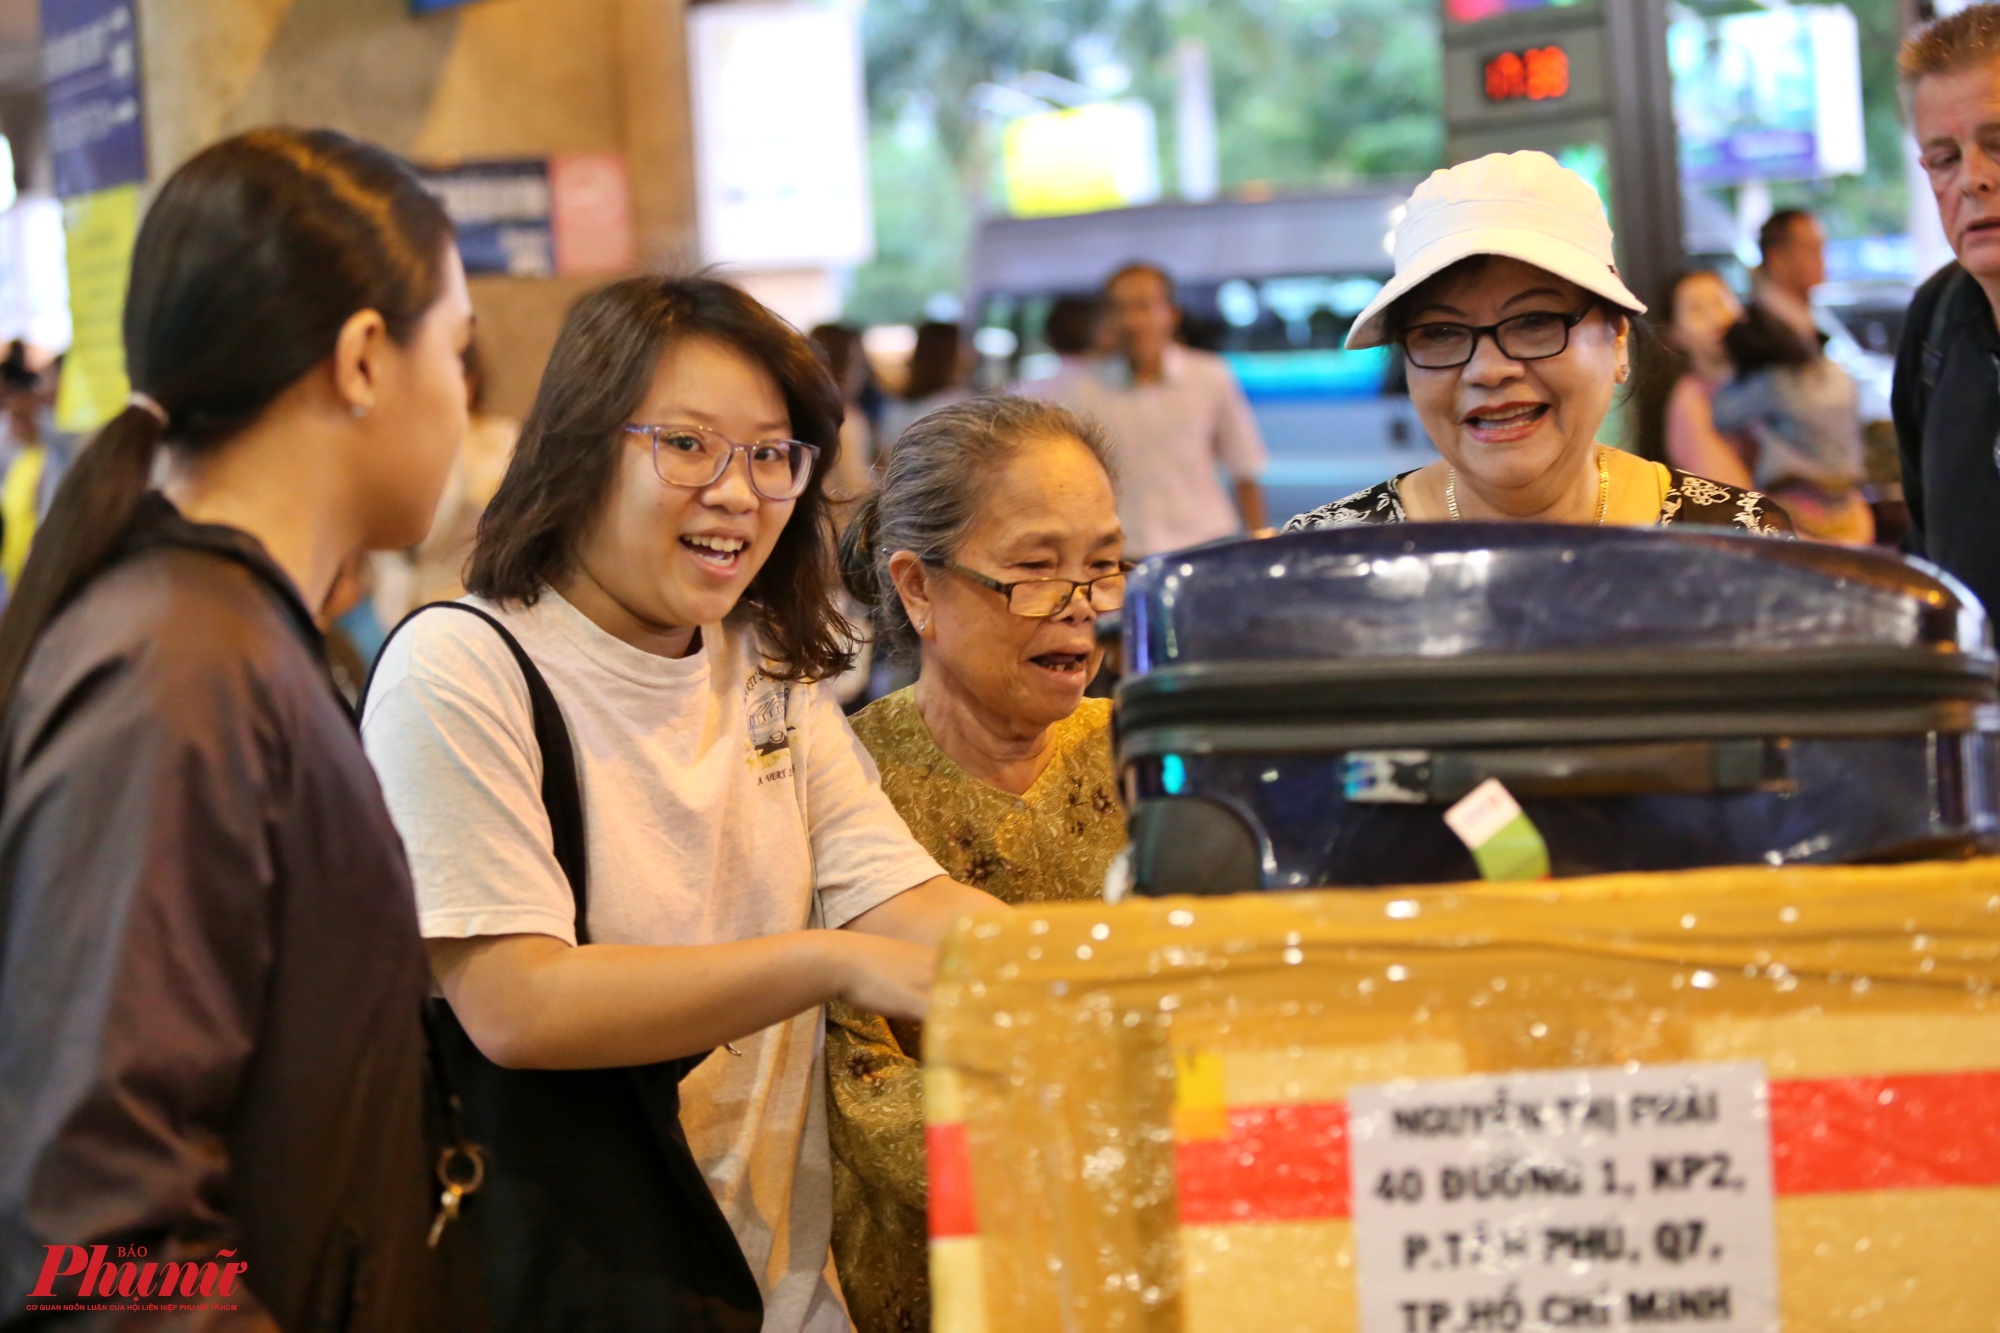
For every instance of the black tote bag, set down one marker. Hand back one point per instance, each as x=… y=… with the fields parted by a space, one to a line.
x=593 y=1216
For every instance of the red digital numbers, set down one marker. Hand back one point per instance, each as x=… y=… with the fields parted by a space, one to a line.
x=1539 y=74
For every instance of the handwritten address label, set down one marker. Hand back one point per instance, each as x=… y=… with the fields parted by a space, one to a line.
x=1635 y=1198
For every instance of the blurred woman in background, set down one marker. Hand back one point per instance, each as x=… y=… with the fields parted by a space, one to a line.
x=853 y=477
x=209 y=1011
x=35 y=454
x=989 y=551
x=940 y=374
x=847 y=362
x=1677 y=395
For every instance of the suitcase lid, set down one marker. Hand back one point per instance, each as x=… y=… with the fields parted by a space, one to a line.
x=1424 y=635
x=1447 y=591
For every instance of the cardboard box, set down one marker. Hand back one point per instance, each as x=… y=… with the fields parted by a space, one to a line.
x=1141 y=1120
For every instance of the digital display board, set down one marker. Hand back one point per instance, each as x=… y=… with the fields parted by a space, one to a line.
x=1537 y=74
x=1475 y=11
x=1587 y=81
x=1532 y=76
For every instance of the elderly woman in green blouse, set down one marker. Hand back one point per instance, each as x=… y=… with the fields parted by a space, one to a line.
x=990 y=548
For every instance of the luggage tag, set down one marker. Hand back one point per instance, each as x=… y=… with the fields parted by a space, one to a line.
x=1503 y=841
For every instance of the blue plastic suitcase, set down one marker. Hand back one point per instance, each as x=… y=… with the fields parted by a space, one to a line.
x=1302 y=710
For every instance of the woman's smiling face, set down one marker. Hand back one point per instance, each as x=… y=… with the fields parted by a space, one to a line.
x=661 y=559
x=1514 y=426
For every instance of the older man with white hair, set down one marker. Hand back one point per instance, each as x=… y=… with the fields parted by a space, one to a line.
x=1947 y=393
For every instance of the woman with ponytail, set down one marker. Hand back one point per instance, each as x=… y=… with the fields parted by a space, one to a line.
x=210 y=976
x=987 y=554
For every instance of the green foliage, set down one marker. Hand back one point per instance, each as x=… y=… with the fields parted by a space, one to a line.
x=1307 y=92
x=923 y=224
x=1342 y=92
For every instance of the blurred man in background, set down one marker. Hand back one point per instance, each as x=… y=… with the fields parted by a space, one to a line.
x=1071 y=331
x=1799 y=410
x=1176 y=416
x=1946 y=400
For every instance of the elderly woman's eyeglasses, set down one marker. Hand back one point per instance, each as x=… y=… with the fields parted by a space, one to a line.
x=1041 y=599
x=1535 y=336
x=696 y=457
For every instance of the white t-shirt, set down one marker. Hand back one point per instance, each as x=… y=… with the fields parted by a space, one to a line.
x=1170 y=438
x=697 y=831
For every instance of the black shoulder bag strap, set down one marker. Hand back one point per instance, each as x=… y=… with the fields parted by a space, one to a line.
x=562 y=794
x=593 y=1212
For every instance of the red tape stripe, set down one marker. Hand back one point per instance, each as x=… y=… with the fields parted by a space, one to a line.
x=1279 y=1164
x=1290 y=1163
x=1905 y=1132
x=951 y=1210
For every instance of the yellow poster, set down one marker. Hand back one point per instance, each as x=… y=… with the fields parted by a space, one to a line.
x=100 y=229
x=1104 y=155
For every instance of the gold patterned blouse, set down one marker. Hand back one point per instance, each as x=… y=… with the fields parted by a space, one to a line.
x=1052 y=844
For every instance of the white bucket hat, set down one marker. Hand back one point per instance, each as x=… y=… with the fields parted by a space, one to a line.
x=1526 y=206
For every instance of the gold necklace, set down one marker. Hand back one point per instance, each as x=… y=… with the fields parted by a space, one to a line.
x=1603 y=488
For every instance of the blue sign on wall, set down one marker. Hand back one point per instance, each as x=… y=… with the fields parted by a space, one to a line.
x=433 y=6
x=503 y=213
x=90 y=61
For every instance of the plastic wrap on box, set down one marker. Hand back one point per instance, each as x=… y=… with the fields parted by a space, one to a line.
x=1140 y=1113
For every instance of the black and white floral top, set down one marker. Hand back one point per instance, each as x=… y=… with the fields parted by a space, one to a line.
x=1690 y=500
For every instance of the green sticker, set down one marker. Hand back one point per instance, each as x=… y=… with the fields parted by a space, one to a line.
x=1504 y=842
x=1515 y=852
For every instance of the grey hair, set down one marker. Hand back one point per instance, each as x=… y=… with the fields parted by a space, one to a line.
x=1959 y=41
x=937 y=478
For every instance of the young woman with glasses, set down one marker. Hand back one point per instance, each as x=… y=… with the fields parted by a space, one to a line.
x=988 y=552
x=1516 y=332
x=660 y=553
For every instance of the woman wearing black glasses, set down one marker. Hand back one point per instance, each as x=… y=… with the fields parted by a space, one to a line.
x=988 y=552
x=1516 y=331
x=627 y=800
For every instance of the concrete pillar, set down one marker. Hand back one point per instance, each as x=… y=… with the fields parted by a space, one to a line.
x=502 y=78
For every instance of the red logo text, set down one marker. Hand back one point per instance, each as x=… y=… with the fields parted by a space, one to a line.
x=76 y=1272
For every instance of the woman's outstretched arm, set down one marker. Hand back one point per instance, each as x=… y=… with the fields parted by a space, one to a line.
x=537 y=1002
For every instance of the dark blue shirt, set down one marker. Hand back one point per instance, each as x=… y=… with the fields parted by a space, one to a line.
x=1949 y=432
